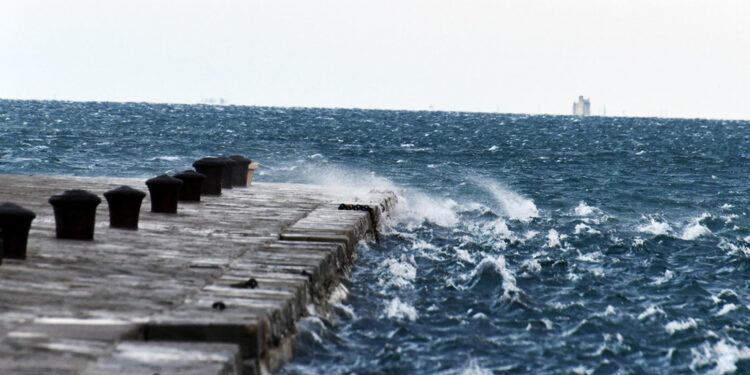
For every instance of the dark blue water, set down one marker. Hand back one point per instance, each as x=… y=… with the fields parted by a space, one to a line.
x=522 y=244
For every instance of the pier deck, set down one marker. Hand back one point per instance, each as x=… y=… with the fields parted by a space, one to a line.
x=175 y=296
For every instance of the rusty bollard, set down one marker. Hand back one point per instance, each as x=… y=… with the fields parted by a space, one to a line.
x=239 y=175
x=228 y=175
x=192 y=184
x=124 y=207
x=15 y=222
x=164 y=193
x=213 y=169
x=75 y=214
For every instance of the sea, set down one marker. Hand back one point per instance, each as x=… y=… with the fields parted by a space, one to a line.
x=521 y=244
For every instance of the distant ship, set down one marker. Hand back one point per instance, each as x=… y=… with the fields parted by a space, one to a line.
x=582 y=107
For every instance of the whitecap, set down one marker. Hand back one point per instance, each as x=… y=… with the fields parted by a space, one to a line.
x=499 y=265
x=655 y=227
x=582 y=370
x=401 y=273
x=473 y=368
x=725 y=355
x=400 y=310
x=726 y=206
x=464 y=255
x=651 y=310
x=609 y=311
x=676 y=326
x=513 y=204
x=166 y=158
x=553 y=238
x=584 y=210
x=729 y=307
x=695 y=230
x=532 y=265
x=668 y=275
x=419 y=207
x=580 y=228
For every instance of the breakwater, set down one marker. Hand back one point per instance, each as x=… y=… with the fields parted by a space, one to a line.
x=215 y=288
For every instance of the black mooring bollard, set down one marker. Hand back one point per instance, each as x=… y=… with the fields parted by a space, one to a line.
x=124 y=207
x=75 y=214
x=192 y=184
x=228 y=175
x=164 y=193
x=213 y=169
x=239 y=175
x=15 y=222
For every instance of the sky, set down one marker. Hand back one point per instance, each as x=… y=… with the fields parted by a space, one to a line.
x=666 y=58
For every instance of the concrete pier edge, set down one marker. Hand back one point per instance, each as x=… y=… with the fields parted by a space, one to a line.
x=214 y=289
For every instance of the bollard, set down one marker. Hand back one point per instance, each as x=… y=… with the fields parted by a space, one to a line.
x=250 y=172
x=124 y=207
x=213 y=169
x=228 y=174
x=75 y=214
x=192 y=183
x=15 y=222
x=239 y=175
x=164 y=192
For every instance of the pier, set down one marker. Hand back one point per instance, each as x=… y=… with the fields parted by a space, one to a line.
x=215 y=288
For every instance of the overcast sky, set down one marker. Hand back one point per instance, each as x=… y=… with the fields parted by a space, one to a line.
x=676 y=58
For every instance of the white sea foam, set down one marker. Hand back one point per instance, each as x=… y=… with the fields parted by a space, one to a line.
x=676 y=326
x=655 y=227
x=418 y=207
x=582 y=370
x=668 y=275
x=166 y=158
x=593 y=257
x=473 y=368
x=651 y=310
x=729 y=307
x=532 y=265
x=402 y=273
x=723 y=354
x=726 y=206
x=695 y=229
x=609 y=311
x=401 y=310
x=554 y=238
x=584 y=210
x=339 y=293
x=499 y=265
x=513 y=204
x=464 y=255
x=581 y=228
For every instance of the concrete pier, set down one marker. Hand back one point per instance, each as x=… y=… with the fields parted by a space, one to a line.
x=214 y=289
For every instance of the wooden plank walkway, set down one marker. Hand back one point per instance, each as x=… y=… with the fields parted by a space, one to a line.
x=174 y=296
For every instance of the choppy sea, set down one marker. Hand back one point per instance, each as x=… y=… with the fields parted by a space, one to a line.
x=521 y=244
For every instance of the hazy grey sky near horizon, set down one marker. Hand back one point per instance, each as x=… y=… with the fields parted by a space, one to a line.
x=675 y=58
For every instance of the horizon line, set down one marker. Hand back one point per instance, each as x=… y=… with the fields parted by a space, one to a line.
x=369 y=109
